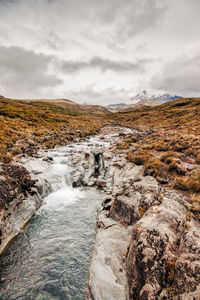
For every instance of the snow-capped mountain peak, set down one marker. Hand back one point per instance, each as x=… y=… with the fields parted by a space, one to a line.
x=143 y=95
x=140 y=96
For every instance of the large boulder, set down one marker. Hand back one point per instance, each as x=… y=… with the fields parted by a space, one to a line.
x=164 y=253
x=107 y=276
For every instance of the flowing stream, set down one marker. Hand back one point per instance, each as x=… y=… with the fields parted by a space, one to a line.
x=50 y=260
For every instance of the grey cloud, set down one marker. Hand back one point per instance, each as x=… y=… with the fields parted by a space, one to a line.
x=110 y=35
x=130 y=17
x=25 y=70
x=105 y=65
x=126 y=18
x=140 y=15
x=107 y=96
x=179 y=76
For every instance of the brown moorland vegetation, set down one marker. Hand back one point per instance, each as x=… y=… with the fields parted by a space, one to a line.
x=27 y=125
x=167 y=142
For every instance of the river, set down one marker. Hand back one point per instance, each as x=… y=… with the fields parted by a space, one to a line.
x=51 y=258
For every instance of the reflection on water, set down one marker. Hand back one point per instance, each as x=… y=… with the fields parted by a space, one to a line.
x=51 y=259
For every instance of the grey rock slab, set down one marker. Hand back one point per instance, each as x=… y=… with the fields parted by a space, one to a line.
x=107 y=277
x=187 y=268
x=154 y=247
x=125 y=209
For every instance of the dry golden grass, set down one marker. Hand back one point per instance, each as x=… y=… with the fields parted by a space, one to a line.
x=169 y=157
x=24 y=126
x=138 y=159
x=171 y=133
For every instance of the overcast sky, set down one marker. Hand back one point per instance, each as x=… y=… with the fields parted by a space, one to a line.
x=99 y=52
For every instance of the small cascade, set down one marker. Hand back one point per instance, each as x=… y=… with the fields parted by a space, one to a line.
x=50 y=260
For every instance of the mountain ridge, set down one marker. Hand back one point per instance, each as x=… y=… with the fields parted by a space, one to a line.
x=143 y=99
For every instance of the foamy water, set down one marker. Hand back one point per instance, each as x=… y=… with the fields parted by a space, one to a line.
x=50 y=260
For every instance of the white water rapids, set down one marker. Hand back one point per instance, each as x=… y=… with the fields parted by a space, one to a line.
x=50 y=260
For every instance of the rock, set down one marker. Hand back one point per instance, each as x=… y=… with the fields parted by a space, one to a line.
x=77 y=180
x=107 y=202
x=107 y=198
x=99 y=161
x=101 y=182
x=91 y=183
x=154 y=248
x=147 y=184
x=125 y=209
x=147 y=244
x=186 y=283
x=36 y=172
x=107 y=276
x=22 y=195
x=76 y=159
x=48 y=158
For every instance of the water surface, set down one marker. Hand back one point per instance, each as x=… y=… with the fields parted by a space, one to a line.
x=50 y=260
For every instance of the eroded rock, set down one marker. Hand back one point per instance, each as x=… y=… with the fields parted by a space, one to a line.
x=107 y=279
x=20 y=196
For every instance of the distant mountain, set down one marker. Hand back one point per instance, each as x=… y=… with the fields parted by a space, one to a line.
x=126 y=107
x=143 y=99
x=143 y=95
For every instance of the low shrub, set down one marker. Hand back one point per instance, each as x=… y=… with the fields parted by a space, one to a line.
x=174 y=166
x=168 y=157
x=142 y=210
x=122 y=146
x=154 y=167
x=137 y=158
x=16 y=151
x=198 y=158
x=187 y=183
x=161 y=147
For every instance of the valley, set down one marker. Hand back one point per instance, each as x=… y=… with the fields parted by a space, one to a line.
x=141 y=168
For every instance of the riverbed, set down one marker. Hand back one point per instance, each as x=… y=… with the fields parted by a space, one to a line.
x=51 y=258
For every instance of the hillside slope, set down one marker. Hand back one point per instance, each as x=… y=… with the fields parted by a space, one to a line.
x=27 y=125
x=180 y=114
x=169 y=143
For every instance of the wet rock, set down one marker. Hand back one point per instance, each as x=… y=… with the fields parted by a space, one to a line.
x=17 y=181
x=20 y=197
x=147 y=244
x=48 y=158
x=91 y=183
x=107 y=279
x=77 y=180
x=36 y=172
x=76 y=159
x=101 y=182
x=107 y=202
x=99 y=161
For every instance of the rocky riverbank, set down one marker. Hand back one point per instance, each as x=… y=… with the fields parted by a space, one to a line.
x=21 y=194
x=147 y=241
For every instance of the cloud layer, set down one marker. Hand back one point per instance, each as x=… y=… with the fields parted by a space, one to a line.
x=98 y=52
x=104 y=65
x=179 y=76
x=25 y=71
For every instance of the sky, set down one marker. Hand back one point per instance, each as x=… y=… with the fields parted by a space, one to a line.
x=99 y=52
